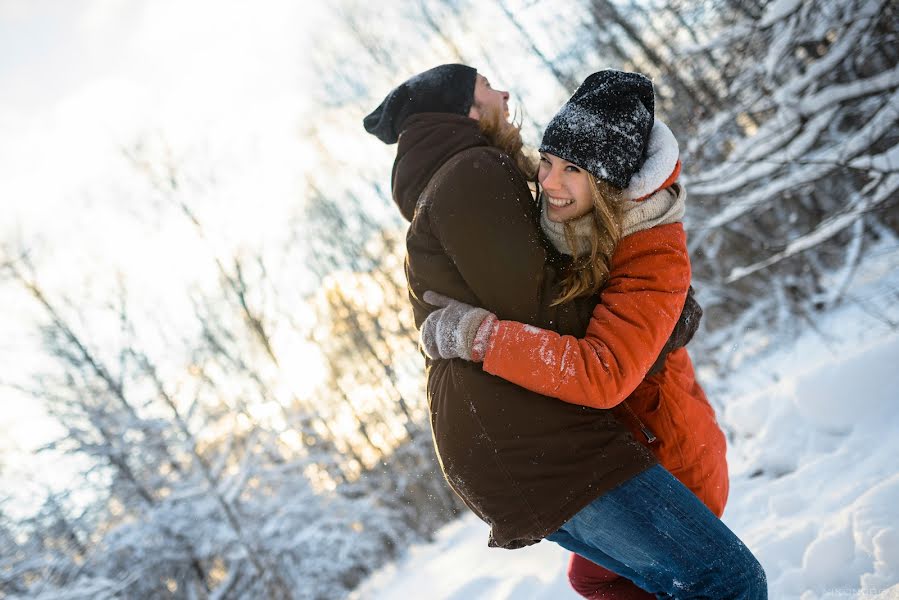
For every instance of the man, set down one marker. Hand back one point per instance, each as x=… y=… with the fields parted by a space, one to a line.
x=523 y=462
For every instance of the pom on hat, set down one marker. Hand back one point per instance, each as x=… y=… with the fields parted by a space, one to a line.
x=446 y=89
x=605 y=126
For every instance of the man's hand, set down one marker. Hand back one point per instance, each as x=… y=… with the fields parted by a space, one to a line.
x=683 y=332
x=452 y=330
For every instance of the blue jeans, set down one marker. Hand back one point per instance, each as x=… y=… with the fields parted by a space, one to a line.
x=655 y=532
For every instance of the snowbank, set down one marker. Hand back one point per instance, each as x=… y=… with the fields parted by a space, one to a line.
x=815 y=488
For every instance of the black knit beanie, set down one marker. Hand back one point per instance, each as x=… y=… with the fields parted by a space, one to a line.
x=446 y=89
x=604 y=127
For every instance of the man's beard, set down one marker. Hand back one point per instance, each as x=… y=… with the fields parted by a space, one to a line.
x=506 y=136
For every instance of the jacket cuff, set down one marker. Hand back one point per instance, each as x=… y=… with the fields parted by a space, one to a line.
x=483 y=338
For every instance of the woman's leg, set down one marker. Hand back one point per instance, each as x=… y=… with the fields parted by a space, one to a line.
x=655 y=532
x=598 y=583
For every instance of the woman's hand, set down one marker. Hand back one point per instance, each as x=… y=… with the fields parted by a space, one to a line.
x=456 y=329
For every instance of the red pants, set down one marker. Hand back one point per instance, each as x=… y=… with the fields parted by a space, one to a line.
x=597 y=583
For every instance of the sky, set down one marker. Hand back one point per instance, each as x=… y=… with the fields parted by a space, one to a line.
x=82 y=78
x=223 y=87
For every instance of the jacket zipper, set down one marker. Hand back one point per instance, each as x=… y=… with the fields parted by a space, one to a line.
x=650 y=436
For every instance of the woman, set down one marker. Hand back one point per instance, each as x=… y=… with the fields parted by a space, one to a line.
x=589 y=153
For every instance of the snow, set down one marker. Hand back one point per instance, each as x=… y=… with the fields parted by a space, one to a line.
x=460 y=566
x=799 y=146
x=815 y=484
x=777 y=10
x=886 y=162
x=812 y=456
x=825 y=162
x=839 y=93
x=828 y=228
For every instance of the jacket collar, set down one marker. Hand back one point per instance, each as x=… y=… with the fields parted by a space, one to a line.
x=427 y=142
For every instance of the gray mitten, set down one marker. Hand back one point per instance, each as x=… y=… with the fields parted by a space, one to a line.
x=450 y=331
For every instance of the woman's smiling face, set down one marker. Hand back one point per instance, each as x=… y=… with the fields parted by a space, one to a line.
x=566 y=187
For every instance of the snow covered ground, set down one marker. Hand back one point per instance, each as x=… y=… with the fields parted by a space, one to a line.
x=814 y=460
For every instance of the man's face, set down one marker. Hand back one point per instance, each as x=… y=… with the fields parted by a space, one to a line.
x=488 y=100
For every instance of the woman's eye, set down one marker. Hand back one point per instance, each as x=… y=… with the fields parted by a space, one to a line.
x=543 y=159
x=572 y=169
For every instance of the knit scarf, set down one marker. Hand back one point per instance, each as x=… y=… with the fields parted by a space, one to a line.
x=582 y=226
x=661 y=208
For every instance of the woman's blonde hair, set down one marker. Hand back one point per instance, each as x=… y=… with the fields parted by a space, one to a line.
x=587 y=273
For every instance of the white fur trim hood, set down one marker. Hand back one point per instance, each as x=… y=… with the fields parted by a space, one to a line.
x=661 y=158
